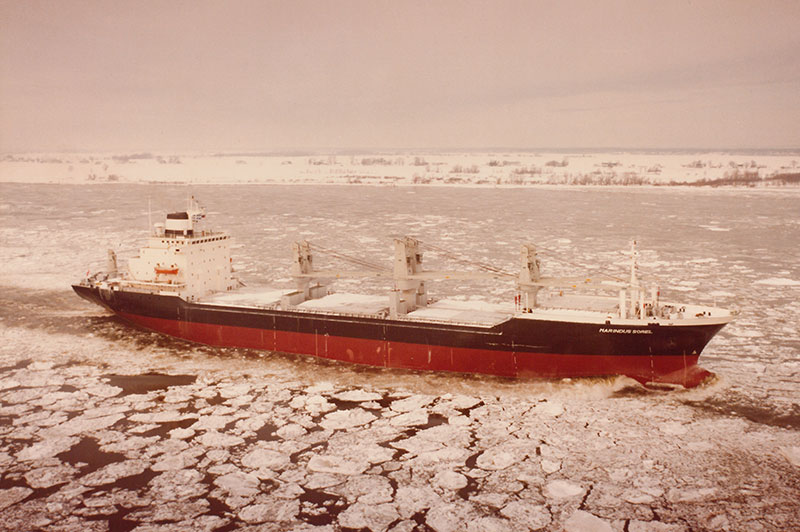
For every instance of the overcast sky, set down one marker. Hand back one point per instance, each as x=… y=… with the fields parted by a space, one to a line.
x=267 y=76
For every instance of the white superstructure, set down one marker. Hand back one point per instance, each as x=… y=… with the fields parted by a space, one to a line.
x=183 y=257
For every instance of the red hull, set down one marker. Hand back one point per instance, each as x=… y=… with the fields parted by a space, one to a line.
x=682 y=370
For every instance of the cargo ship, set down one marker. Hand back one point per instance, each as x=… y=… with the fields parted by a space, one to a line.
x=183 y=284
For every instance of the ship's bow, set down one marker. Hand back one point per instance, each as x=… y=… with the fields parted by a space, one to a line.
x=89 y=293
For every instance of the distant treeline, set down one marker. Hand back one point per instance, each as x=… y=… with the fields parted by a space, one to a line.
x=746 y=179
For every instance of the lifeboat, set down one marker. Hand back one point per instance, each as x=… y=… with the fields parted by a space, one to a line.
x=164 y=270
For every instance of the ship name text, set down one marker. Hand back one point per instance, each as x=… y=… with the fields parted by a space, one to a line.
x=626 y=331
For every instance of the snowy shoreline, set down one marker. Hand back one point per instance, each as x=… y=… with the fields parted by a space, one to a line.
x=484 y=170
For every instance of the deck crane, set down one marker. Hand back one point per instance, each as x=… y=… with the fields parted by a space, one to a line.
x=410 y=291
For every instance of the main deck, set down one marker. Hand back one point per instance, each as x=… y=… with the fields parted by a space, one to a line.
x=468 y=312
x=556 y=306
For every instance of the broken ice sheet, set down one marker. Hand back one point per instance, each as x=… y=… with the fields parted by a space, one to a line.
x=260 y=458
x=8 y=383
x=170 y=511
x=316 y=481
x=366 y=444
x=170 y=416
x=415 y=418
x=450 y=480
x=178 y=461
x=357 y=396
x=47 y=448
x=791 y=453
x=291 y=431
x=446 y=434
x=46 y=477
x=417 y=445
x=581 y=521
x=239 y=483
x=345 y=419
x=177 y=485
x=413 y=403
x=111 y=473
x=228 y=391
x=451 y=517
x=337 y=465
x=494 y=459
x=181 y=434
x=562 y=489
x=213 y=438
x=214 y=422
x=550 y=466
x=457 y=402
x=103 y=390
x=412 y=499
x=272 y=510
x=128 y=444
x=368 y=489
x=11 y=496
x=368 y=516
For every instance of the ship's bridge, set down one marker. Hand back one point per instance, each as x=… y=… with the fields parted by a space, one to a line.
x=178 y=224
x=182 y=255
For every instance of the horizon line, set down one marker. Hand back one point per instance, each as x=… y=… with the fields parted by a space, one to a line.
x=359 y=151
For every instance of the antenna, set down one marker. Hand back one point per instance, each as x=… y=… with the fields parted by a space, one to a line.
x=149 y=215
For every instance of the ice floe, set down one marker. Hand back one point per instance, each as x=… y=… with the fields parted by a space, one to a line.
x=239 y=483
x=111 y=473
x=265 y=459
x=13 y=495
x=581 y=521
x=414 y=418
x=47 y=477
x=315 y=481
x=213 y=438
x=680 y=495
x=715 y=228
x=345 y=419
x=375 y=517
x=494 y=459
x=409 y=404
x=450 y=480
x=82 y=424
x=778 y=281
x=562 y=489
x=357 y=396
x=529 y=516
x=47 y=448
x=181 y=433
x=291 y=431
x=792 y=454
x=337 y=465
x=273 y=511
x=550 y=466
x=175 y=462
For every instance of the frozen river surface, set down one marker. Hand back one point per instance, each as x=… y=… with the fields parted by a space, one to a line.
x=106 y=427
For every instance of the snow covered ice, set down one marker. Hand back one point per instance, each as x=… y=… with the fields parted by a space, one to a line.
x=107 y=427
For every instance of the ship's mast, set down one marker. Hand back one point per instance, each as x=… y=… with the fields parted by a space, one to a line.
x=639 y=305
x=409 y=292
x=529 y=276
x=195 y=211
